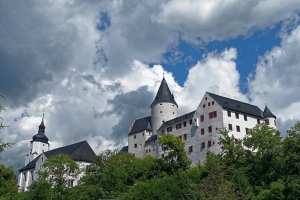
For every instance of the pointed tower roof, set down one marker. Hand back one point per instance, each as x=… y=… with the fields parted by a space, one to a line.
x=164 y=94
x=40 y=136
x=267 y=113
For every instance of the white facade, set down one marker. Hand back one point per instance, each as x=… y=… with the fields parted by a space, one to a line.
x=199 y=130
x=27 y=177
x=136 y=143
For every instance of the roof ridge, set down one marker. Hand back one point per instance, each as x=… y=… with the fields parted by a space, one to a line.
x=210 y=93
x=63 y=147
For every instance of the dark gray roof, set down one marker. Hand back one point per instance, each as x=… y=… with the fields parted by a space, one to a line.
x=140 y=125
x=164 y=94
x=178 y=119
x=151 y=139
x=267 y=113
x=80 y=151
x=30 y=165
x=124 y=149
x=40 y=136
x=238 y=106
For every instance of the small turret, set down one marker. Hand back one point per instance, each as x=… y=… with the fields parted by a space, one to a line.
x=269 y=117
x=163 y=107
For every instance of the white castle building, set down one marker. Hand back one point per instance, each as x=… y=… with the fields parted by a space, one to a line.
x=80 y=152
x=197 y=129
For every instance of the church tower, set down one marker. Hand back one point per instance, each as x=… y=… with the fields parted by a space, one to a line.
x=163 y=107
x=38 y=144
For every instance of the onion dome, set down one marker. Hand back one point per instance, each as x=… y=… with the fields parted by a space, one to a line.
x=40 y=136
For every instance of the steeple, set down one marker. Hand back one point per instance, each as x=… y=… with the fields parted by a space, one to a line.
x=268 y=114
x=164 y=94
x=40 y=136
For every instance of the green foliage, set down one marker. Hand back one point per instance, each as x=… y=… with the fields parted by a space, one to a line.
x=175 y=158
x=262 y=166
x=55 y=173
x=8 y=184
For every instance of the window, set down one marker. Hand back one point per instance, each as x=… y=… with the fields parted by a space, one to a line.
x=238 y=129
x=134 y=136
x=212 y=114
x=185 y=136
x=208 y=103
x=202 y=131
x=180 y=138
x=230 y=127
x=212 y=103
x=202 y=118
x=178 y=126
x=209 y=143
x=191 y=121
x=184 y=123
x=247 y=131
x=190 y=149
x=205 y=98
x=160 y=111
x=258 y=121
x=228 y=113
x=169 y=129
x=237 y=115
x=135 y=145
x=163 y=130
x=267 y=121
x=245 y=117
x=202 y=145
x=203 y=106
x=209 y=129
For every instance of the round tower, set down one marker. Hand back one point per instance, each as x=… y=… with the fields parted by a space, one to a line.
x=163 y=107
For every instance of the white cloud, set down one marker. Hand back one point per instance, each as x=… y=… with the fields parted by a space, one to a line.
x=276 y=81
x=220 y=19
x=216 y=73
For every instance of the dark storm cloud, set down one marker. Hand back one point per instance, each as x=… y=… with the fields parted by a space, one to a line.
x=129 y=106
x=33 y=49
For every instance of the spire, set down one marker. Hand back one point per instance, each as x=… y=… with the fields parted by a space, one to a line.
x=164 y=94
x=268 y=114
x=40 y=136
x=42 y=126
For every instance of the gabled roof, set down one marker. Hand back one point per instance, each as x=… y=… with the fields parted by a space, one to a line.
x=164 y=94
x=30 y=165
x=267 y=113
x=151 y=139
x=80 y=151
x=140 y=125
x=178 y=119
x=235 y=105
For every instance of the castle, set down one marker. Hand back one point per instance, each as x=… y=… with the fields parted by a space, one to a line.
x=198 y=130
x=80 y=152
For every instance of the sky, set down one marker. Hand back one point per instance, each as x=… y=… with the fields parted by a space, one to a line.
x=94 y=66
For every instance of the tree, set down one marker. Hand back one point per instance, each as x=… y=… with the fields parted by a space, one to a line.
x=115 y=172
x=58 y=171
x=175 y=158
x=8 y=184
